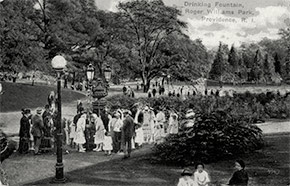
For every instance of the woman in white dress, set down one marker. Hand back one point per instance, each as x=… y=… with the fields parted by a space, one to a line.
x=100 y=133
x=108 y=144
x=173 y=124
x=146 y=124
x=139 y=139
x=155 y=132
x=80 y=132
x=72 y=133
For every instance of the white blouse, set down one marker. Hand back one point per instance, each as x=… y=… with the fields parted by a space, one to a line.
x=201 y=178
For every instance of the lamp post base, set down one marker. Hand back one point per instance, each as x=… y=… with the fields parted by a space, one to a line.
x=59 y=177
x=58 y=181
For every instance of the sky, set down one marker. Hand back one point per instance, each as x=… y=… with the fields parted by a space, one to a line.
x=228 y=21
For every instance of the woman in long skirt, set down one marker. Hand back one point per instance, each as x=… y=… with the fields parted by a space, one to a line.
x=100 y=133
x=72 y=134
x=24 y=132
x=139 y=139
x=173 y=124
x=80 y=139
x=147 y=125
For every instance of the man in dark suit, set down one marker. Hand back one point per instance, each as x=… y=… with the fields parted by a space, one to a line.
x=24 y=132
x=37 y=130
x=127 y=133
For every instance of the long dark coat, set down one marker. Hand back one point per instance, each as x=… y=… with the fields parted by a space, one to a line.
x=24 y=131
x=37 y=126
x=128 y=128
x=24 y=134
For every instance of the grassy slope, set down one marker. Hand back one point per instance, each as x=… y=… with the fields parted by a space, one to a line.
x=17 y=96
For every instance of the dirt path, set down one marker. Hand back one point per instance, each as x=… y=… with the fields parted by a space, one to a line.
x=275 y=127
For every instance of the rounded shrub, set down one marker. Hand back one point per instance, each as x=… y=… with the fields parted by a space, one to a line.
x=214 y=136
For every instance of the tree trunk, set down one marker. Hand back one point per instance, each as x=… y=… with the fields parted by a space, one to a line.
x=163 y=80
x=146 y=84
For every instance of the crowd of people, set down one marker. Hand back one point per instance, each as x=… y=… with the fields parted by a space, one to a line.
x=121 y=130
x=113 y=131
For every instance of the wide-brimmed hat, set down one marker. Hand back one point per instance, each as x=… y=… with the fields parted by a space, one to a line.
x=146 y=108
x=242 y=163
x=39 y=110
x=26 y=111
x=127 y=112
x=95 y=116
x=190 y=113
x=117 y=113
x=186 y=172
x=174 y=115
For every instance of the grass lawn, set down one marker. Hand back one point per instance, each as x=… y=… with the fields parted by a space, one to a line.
x=269 y=166
x=17 y=96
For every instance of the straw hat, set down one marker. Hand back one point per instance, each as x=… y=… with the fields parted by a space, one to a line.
x=186 y=172
x=146 y=108
x=95 y=116
x=127 y=112
x=39 y=110
x=190 y=113
x=174 y=116
x=117 y=113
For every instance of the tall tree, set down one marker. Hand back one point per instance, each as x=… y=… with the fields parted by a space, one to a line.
x=256 y=73
x=268 y=68
x=149 y=23
x=233 y=58
x=286 y=73
x=19 y=49
x=218 y=65
x=277 y=64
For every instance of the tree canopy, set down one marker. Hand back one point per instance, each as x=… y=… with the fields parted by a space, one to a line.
x=144 y=39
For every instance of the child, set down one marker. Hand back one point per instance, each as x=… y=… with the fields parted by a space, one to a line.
x=186 y=179
x=107 y=144
x=201 y=176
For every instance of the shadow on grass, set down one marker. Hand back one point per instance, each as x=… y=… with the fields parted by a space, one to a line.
x=134 y=171
x=269 y=166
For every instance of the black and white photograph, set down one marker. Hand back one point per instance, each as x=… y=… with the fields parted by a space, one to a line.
x=145 y=92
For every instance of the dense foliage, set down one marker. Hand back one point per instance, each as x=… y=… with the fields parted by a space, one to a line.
x=144 y=39
x=214 y=136
x=224 y=125
x=249 y=107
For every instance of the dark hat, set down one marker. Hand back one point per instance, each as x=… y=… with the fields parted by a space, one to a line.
x=26 y=111
x=82 y=110
x=186 y=172
x=242 y=163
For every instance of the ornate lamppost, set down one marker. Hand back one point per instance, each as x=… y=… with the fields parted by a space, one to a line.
x=90 y=73
x=99 y=87
x=58 y=63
